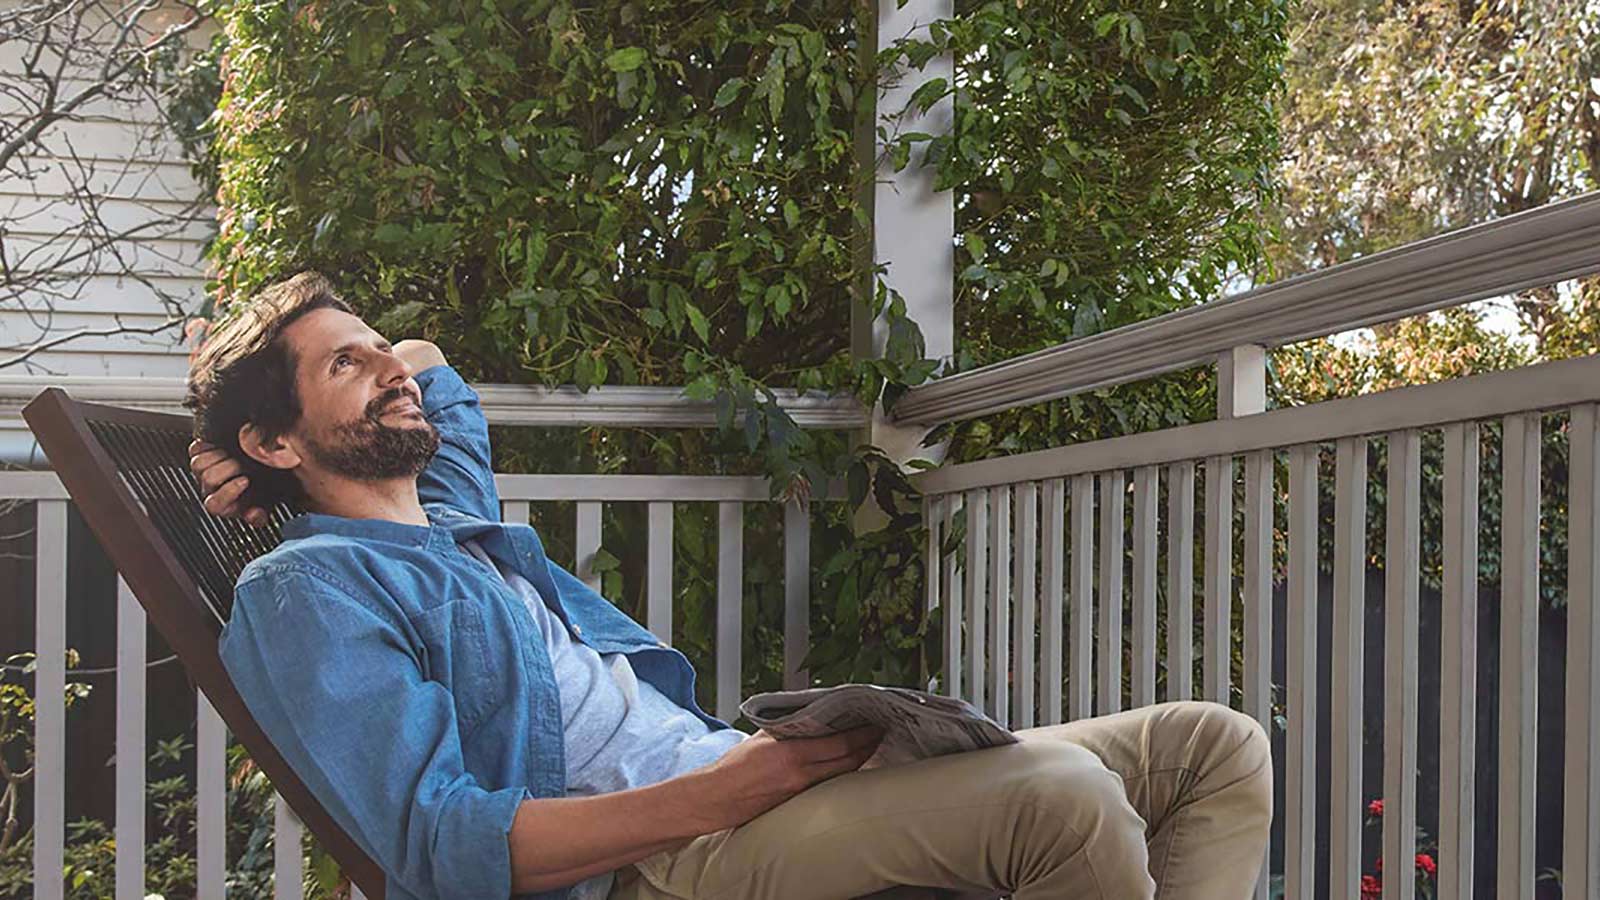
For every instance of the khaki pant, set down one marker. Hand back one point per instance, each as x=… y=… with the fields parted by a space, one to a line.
x=1169 y=801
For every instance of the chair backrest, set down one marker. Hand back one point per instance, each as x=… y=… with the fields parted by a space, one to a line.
x=128 y=473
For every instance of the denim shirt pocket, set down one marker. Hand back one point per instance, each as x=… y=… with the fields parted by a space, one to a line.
x=456 y=643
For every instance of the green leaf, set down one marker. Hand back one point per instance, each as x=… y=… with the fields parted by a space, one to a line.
x=728 y=93
x=627 y=59
x=698 y=321
x=397 y=319
x=791 y=213
x=975 y=246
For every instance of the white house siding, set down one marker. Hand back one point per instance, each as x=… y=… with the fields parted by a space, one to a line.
x=114 y=150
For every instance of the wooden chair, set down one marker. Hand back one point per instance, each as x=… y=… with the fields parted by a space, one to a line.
x=128 y=473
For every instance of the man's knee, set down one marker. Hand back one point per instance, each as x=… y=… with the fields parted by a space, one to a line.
x=1066 y=780
x=1235 y=747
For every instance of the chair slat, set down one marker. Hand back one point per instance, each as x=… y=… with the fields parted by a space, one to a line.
x=515 y=511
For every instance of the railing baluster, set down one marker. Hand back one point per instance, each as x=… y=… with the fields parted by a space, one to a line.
x=1580 y=857
x=587 y=542
x=1258 y=587
x=1402 y=583
x=1348 y=648
x=1080 y=698
x=130 y=776
x=999 y=602
x=953 y=601
x=1519 y=653
x=1146 y=487
x=1051 y=625
x=288 y=862
x=1180 y=581
x=796 y=593
x=976 y=586
x=1458 y=669
x=50 y=684
x=730 y=607
x=1218 y=631
x=1300 y=851
x=211 y=809
x=658 y=585
x=932 y=516
x=1112 y=505
x=1024 y=581
x=514 y=511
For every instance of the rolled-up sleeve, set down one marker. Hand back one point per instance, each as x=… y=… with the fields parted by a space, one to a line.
x=339 y=690
x=461 y=475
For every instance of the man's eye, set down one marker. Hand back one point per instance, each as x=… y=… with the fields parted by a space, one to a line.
x=341 y=362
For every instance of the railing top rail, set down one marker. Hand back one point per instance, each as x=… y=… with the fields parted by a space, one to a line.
x=1533 y=388
x=503 y=404
x=1533 y=248
x=514 y=488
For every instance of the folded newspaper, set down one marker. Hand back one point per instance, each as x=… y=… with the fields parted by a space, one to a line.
x=916 y=725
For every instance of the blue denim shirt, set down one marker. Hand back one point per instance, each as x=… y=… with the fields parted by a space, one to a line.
x=405 y=683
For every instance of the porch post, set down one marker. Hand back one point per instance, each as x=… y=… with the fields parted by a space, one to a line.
x=913 y=233
x=1242 y=381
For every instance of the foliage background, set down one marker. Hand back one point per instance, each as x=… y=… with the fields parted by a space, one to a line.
x=619 y=193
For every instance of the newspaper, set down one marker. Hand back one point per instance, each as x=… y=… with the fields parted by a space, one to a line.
x=917 y=725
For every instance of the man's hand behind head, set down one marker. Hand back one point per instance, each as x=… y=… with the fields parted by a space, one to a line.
x=223 y=483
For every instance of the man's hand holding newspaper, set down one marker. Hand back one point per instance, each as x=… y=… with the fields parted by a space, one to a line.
x=916 y=725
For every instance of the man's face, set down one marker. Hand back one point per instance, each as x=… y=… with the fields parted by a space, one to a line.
x=360 y=409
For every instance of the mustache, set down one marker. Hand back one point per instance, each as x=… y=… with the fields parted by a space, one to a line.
x=375 y=409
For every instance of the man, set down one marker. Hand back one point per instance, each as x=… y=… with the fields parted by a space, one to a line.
x=483 y=724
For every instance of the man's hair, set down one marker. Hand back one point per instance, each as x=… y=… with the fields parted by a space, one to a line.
x=245 y=373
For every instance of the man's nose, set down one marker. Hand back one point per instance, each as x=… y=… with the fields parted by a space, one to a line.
x=395 y=370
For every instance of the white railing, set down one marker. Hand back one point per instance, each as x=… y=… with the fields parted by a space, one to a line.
x=592 y=493
x=1029 y=544
x=1031 y=575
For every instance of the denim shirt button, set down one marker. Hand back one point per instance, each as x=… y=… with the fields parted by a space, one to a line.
x=577 y=630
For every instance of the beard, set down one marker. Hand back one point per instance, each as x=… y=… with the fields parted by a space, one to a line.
x=369 y=450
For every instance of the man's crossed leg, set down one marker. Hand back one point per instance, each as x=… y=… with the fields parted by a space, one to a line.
x=1172 y=801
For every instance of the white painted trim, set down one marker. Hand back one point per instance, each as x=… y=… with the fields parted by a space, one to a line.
x=1545 y=386
x=1537 y=247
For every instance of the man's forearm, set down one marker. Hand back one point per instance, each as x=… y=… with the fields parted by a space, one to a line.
x=561 y=841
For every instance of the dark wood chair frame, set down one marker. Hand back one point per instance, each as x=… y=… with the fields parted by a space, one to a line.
x=170 y=592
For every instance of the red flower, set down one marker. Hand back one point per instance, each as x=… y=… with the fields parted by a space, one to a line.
x=1371 y=887
x=1426 y=864
x=1375 y=808
x=1380 y=865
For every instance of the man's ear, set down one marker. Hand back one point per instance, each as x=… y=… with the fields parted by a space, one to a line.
x=272 y=450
